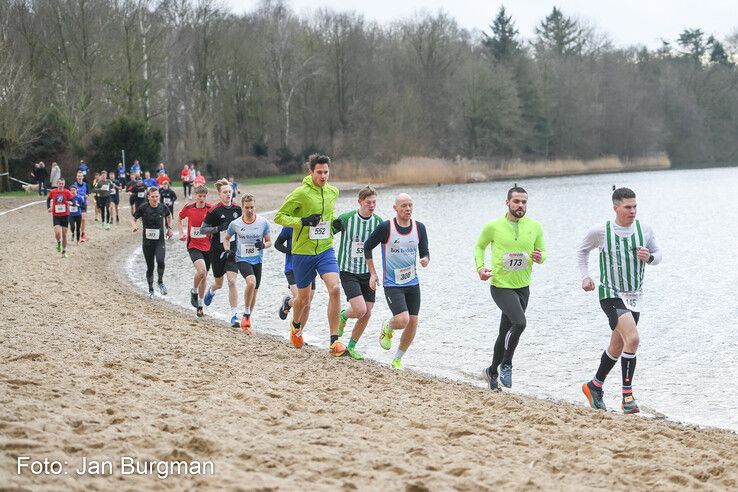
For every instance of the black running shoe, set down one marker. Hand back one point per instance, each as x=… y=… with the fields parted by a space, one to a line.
x=285 y=307
x=491 y=379
x=200 y=312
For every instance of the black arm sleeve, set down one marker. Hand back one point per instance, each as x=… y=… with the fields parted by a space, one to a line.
x=380 y=235
x=281 y=243
x=423 y=246
x=48 y=201
x=206 y=228
x=139 y=213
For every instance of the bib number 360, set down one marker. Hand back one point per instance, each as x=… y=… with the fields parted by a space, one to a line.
x=404 y=275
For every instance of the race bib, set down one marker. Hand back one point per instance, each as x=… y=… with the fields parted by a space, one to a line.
x=632 y=300
x=113 y=191
x=321 y=231
x=60 y=209
x=152 y=234
x=105 y=187
x=73 y=209
x=167 y=201
x=404 y=275
x=141 y=194
x=223 y=235
x=247 y=250
x=515 y=261
x=196 y=234
x=357 y=249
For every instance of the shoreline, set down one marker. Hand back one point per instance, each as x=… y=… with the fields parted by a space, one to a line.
x=117 y=375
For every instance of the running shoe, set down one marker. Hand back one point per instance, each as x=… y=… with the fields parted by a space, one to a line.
x=629 y=405
x=337 y=349
x=342 y=322
x=296 y=337
x=285 y=309
x=200 y=312
x=385 y=337
x=506 y=375
x=64 y=254
x=151 y=294
x=397 y=364
x=491 y=379
x=234 y=321
x=58 y=247
x=246 y=324
x=84 y=238
x=354 y=354
x=594 y=396
x=162 y=288
x=208 y=297
x=193 y=299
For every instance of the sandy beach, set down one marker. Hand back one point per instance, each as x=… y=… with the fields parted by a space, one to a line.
x=92 y=370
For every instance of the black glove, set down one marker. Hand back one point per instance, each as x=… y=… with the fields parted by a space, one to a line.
x=228 y=255
x=338 y=225
x=311 y=220
x=223 y=227
x=259 y=244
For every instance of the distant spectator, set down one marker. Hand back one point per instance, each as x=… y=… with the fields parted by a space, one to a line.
x=186 y=181
x=234 y=186
x=55 y=174
x=199 y=179
x=161 y=169
x=39 y=177
x=162 y=178
x=83 y=167
x=135 y=168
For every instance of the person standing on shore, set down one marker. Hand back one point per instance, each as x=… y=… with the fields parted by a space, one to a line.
x=310 y=211
x=358 y=225
x=55 y=174
x=403 y=240
x=58 y=204
x=626 y=247
x=252 y=237
x=517 y=242
x=216 y=223
x=198 y=244
x=154 y=216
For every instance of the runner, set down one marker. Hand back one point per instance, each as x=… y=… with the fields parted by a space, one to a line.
x=252 y=237
x=137 y=193
x=82 y=191
x=200 y=179
x=135 y=169
x=168 y=196
x=309 y=210
x=403 y=239
x=234 y=185
x=149 y=181
x=94 y=196
x=121 y=172
x=116 y=188
x=626 y=247
x=517 y=242
x=76 y=205
x=284 y=245
x=58 y=204
x=153 y=216
x=216 y=223
x=186 y=182
x=102 y=189
x=358 y=226
x=198 y=244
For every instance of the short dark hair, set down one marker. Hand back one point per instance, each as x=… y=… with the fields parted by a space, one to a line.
x=316 y=159
x=515 y=189
x=622 y=194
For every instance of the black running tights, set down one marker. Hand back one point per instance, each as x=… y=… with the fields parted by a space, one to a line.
x=512 y=303
x=75 y=225
x=151 y=250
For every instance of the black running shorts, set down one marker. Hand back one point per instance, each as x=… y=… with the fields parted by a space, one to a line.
x=355 y=285
x=247 y=269
x=221 y=266
x=61 y=221
x=196 y=254
x=401 y=299
x=290 y=276
x=614 y=308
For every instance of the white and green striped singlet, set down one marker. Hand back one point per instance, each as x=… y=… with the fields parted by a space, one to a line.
x=351 y=246
x=620 y=268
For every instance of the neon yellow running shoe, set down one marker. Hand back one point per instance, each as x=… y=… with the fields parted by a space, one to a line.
x=342 y=322
x=397 y=364
x=385 y=337
x=354 y=354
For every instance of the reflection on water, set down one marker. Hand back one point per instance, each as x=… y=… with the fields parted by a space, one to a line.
x=689 y=349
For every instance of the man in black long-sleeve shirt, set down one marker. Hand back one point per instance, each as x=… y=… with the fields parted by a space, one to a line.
x=404 y=240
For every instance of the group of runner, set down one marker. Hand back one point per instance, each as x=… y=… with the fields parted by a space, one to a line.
x=230 y=237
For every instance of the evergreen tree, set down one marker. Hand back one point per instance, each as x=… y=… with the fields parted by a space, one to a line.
x=502 y=45
x=560 y=34
x=693 y=44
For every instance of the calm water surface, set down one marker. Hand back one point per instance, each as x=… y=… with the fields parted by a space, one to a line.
x=688 y=355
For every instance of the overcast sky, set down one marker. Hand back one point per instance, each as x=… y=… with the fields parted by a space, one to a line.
x=626 y=22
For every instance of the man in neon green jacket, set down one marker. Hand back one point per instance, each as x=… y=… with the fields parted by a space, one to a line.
x=517 y=242
x=310 y=211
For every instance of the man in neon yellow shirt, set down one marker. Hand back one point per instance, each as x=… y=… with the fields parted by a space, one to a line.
x=517 y=242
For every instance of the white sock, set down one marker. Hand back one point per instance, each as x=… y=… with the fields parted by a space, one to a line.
x=234 y=311
x=399 y=354
x=193 y=291
x=199 y=302
x=247 y=311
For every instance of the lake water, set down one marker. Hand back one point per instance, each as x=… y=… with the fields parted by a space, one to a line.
x=688 y=355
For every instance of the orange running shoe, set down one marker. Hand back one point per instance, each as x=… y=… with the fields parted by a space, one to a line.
x=296 y=337
x=246 y=324
x=337 y=349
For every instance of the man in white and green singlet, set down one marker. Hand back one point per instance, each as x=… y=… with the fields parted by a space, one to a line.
x=626 y=247
x=357 y=227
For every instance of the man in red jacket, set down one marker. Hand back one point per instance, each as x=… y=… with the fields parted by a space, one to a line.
x=58 y=204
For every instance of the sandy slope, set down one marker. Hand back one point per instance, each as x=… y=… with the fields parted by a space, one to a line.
x=89 y=368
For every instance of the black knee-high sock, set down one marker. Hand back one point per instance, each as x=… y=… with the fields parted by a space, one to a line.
x=607 y=362
x=628 y=362
x=160 y=272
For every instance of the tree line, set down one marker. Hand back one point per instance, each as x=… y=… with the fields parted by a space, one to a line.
x=254 y=93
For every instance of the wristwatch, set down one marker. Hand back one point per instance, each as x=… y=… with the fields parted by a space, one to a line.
x=650 y=259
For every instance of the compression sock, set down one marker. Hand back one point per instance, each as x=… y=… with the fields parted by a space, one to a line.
x=607 y=362
x=334 y=338
x=352 y=343
x=628 y=362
